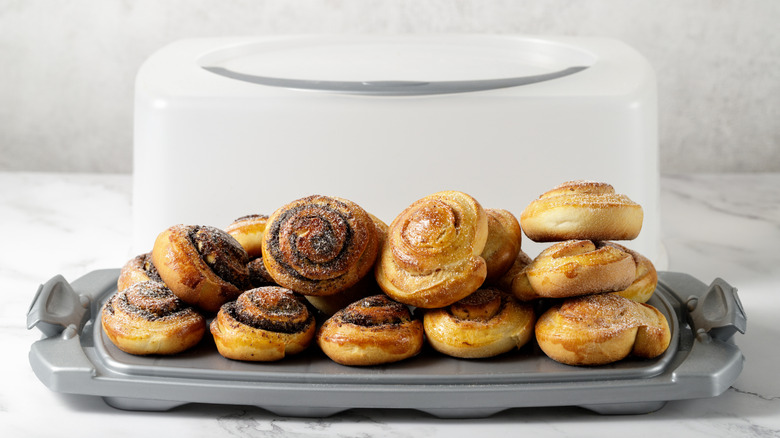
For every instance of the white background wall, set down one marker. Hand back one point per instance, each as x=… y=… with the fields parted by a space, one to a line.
x=67 y=66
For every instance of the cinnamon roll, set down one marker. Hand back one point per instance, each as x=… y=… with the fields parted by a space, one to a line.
x=484 y=324
x=264 y=324
x=431 y=257
x=147 y=318
x=645 y=280
x=139 y=268
x=601 y=329
x=319 y=245
x=573 y=268
x=203 y=265
x=503 y=242
x=582 y=210
x=374 y=330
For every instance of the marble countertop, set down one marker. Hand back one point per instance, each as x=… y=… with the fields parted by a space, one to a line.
x=713 y=226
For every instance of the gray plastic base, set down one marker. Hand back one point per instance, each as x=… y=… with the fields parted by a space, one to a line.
x=77 y=358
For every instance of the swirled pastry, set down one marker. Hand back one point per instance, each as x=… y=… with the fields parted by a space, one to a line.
x=320 y=245
x=248 y=231
x=503 y=242
x=367 y=286
x=645 y=280
x=582 y=210
x=601 y=329
x=484 y=324
x=147 y=318
x=431 y=257
x=512 y=279
x=203 y=265
x=264 y=324
x=374 y=330
x=139 y=268
x=573 y=268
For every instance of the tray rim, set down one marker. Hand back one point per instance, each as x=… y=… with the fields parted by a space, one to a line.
x=275 y=395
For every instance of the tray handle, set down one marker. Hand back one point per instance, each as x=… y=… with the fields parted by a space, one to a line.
x=718 y=313
x=58 y=308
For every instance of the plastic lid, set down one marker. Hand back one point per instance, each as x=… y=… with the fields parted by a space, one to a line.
x=399 y=63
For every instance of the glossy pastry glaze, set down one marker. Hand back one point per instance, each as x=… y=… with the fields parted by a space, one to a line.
x=503 y=242
x=203 y=265
x=645 y=280
x=372 y=331
x=147 y=318
x=263 y=324
x=601 y=329
x=432 y=254
x=484 y=324
x=573 y=268
x=248 y=231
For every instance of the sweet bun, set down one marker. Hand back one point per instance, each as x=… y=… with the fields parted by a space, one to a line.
x=582 y=210
x=645 y=280
x=431 y=257
x=366 y=286
x=574 y=268
x=320 y=245
x=147 y=318
x=503 y=242
x=248 y=231
x=202 y=265
x=372 y=331
x=264 y=324
x=484 y=324
x=601 y=329
x=139 y=268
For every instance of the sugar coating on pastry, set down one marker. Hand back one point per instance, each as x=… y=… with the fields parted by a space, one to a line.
x=431 y=257
x=573 y=268
x=582 y=210
x=645 y=280
x=601 y=329
x=264 y=324
x=484 y=324
x=139 y=268
x=320 y=245
x=372 y=331
x=147 y=318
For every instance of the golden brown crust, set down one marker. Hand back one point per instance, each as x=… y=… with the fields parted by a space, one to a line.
x=601 y=329
x=646 y=278
x=320 y=245
x=484 y=324
x=147 y=318
x=204 y=266
x=248 y=231
x=503 y=242
x=431 y=257
x=139 y=268
x=374 y=330
x=582 y=210
x=573 y=268
x=264 y=324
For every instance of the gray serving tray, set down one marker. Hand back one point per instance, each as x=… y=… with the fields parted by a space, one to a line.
x=75 y=357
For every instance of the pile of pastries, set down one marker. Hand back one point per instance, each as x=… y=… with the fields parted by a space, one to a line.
x=321 y=272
